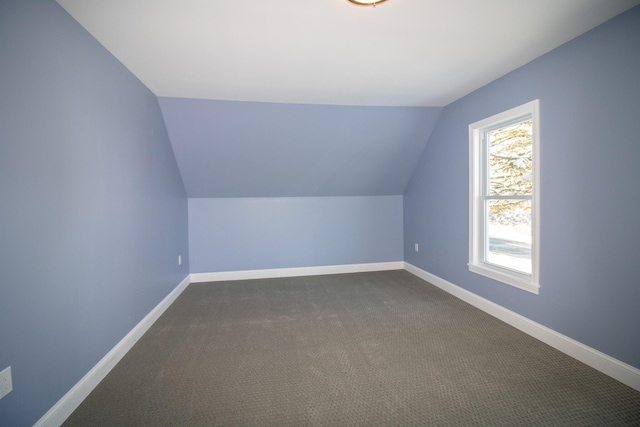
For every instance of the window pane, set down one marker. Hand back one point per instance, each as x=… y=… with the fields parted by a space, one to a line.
x=510 y=165
x=509 y=234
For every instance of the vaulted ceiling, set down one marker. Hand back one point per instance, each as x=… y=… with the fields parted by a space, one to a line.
x=338 y=99
x=402 y=52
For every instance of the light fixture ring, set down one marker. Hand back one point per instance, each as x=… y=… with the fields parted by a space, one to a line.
x=372 y=3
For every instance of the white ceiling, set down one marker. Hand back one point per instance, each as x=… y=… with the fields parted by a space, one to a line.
x=400 y=53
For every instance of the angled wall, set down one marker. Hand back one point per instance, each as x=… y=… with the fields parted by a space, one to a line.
x=93 y=210
x=589 y=94
x=253 y=149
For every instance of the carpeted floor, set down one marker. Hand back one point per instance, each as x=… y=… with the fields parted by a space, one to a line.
x=366 y=349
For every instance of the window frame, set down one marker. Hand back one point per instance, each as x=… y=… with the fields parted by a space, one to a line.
x=478 y=165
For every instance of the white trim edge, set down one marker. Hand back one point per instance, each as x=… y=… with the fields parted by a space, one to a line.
x=74 y=397
x=604 y=363
x=297 y=271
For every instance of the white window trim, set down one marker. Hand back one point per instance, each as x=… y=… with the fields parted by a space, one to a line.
x=477 y=227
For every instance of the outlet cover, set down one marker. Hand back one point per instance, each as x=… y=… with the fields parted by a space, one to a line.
x=5 y=382
x=417 y=248
x=179 y=259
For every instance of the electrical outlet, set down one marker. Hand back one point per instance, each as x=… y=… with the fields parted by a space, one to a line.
x=417 y=248
x=179 y=259
x=5 y=382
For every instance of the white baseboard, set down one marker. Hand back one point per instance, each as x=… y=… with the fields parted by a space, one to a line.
x=74 y=397
x=294 y=272
x=606 y=364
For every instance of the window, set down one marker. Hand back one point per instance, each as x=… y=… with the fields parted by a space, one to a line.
x=503 y=196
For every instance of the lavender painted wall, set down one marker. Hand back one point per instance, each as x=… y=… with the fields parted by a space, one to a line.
x=589 y=91
x=93 y=213
x=259 y=233
x=251 y=149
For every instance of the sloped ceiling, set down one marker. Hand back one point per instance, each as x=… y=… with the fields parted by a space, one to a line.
x=401 y=53
x=248 y=149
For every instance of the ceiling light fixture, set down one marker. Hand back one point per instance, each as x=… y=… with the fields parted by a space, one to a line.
x=367 y=2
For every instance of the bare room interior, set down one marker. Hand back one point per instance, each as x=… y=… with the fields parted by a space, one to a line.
x=319 y=212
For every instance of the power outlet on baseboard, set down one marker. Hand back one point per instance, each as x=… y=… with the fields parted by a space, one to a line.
x=417 y=247
x=5 y=382
x=179 y=259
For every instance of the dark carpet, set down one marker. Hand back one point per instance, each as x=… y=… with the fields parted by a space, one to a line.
x=366 y=349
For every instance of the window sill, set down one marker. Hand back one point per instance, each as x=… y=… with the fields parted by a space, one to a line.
x=513 y=279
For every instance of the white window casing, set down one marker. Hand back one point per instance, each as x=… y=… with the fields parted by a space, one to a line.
x=478 y=198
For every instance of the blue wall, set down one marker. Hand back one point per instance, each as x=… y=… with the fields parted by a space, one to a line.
x=259 y=233
x=589 y=91
x=93 y=213
x=255 y=149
